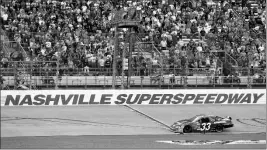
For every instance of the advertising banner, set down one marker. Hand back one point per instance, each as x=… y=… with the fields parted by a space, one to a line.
x=132 y=97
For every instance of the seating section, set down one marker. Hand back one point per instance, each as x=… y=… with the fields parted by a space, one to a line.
x=187 y=33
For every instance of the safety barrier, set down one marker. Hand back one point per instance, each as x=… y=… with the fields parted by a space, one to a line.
x=48 y=74
x=141 y=81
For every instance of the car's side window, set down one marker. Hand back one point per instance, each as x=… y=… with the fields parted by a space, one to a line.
x=212 y=119
x=205 y=120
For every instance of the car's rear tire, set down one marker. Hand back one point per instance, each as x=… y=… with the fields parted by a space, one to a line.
x=187 y=129
x=219 y=128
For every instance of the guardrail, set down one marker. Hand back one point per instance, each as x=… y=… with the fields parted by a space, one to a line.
x=74 y=77
x=142 y=81
x=37 y=66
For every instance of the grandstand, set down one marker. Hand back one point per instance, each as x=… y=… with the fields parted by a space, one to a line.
x=57 y=43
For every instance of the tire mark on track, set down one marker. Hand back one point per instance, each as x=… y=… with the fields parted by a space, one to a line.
x=73 y=121
x=147 y=116
x=257 y=120
x=242 y=121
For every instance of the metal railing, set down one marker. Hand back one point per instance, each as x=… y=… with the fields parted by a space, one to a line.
x=250 y=71
x=42 y=34
x=13 y=45
x=165 y=81
x=6 y=52
x=47 y=75
x=41 y=68
x=3 y=35
x=231 y=60
x=150 y=47
x=29 y=72
x=219 y=62
x=260 y=36
x=3 y=39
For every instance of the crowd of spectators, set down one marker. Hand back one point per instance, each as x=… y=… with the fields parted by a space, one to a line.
x=79 y=33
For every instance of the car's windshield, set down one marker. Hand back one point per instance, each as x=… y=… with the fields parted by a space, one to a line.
x=193 y=118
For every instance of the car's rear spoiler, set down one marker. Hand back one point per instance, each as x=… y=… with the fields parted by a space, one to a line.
x=229 y=117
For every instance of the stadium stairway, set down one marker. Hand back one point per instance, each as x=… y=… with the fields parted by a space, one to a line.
x=138 y=48
x=10 y=47
x=230 y=65
x=149 y=50
x=5 y=52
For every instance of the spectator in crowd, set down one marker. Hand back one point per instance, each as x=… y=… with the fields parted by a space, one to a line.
x=2 y=82
x=79 y=33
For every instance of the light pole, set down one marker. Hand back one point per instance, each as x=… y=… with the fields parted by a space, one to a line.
x=131 y=42
x=265 y=41
x=123 y=66
x=115 y=53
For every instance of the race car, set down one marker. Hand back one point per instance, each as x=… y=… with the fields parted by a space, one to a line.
x=201 y=123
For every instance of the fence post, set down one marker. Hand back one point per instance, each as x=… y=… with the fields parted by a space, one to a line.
x=123 y=67
x=142 y=78
x=131 y=49
x=30 y=75
x=114 y=65
x=57 y=74
x=15 y=76
x=104 y=81
x=67 y=83
x=46 y=77
x=196 y=81
x=186 y=73
x=249 y=79
x=161 y=71
x=232 y=82
x=85 y=81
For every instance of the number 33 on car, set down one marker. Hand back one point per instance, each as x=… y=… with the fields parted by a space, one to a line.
x=205 y=126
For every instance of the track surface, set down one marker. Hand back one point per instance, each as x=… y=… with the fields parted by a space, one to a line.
x=121 y=127
x=246 y=118
x=124 y=141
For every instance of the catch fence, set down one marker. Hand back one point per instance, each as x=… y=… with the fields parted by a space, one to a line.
x=48 y=75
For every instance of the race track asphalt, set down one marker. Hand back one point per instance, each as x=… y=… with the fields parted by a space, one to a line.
x=125 y=141
x=122 y=127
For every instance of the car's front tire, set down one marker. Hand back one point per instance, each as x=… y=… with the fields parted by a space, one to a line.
x=187 y=129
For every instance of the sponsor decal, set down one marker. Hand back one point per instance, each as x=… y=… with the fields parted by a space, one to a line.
x=214 y=142
x=131 y=97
